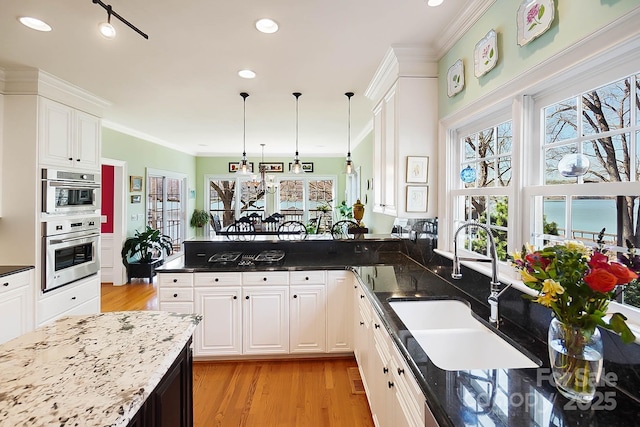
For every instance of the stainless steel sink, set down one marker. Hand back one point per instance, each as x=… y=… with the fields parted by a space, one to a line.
x=454 y=340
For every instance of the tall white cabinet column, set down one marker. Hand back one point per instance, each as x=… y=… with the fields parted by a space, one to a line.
x=404 y=90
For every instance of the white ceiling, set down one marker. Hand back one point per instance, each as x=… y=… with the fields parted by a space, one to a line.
x=180 y=87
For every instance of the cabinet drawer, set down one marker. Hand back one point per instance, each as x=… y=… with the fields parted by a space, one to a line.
x=176 y=294
x=307 y=277
x=58 y=302
x=175 y=280
x=218 y=279
x=14 y=281
x=265 y=278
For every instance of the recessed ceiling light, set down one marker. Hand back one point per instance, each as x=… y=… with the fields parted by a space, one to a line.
x=246 y=74
x=267 y=25
x=34 y=23
x=434 y=2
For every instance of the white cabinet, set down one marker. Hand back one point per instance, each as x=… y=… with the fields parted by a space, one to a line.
x=218 y=298
x=175 y=292
x=384 y=155
x=307 y=315
x=265 y=319
x=340 y=311
x=16 y=312
x=81 y=297
x=68 y=137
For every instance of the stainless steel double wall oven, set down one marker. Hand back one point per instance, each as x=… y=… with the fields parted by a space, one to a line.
x=71 y=227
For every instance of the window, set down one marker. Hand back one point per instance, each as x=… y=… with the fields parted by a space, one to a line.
x=484 y=186
x=165 y=205
x=299 y=198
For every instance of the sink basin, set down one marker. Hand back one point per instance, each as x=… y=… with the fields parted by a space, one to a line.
x=454 y=340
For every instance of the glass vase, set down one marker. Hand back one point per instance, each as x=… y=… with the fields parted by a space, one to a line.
x=576 y=360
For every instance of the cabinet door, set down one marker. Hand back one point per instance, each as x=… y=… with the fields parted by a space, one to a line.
x=173 y=397
x=15 y=316
x=220 y=331
x=307 y=321
x=87 y=141
x=339 y=311
x=378 y=171
x=55 y=133
x=265 y=319
x=389 y=154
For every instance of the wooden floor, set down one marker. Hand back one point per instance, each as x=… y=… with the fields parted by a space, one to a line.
x=296 y=392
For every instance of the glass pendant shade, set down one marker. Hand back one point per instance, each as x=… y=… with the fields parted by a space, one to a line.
x=573 y=165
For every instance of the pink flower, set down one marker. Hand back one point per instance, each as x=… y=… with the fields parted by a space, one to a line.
x=533 y=13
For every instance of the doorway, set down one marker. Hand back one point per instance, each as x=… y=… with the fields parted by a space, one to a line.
x=113 y=225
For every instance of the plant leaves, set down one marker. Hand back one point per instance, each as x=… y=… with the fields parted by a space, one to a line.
x=617 y=324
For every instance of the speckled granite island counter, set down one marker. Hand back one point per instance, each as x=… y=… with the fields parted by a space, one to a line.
x=98 y=370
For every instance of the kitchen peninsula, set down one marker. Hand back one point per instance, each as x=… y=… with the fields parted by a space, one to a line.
x=109 y=369
x=404 y=386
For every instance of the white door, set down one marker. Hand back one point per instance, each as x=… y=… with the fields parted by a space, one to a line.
x=265 y=318
x=111 y=268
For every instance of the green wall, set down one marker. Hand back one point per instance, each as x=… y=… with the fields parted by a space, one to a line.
x=574 y=20
x=140 y=155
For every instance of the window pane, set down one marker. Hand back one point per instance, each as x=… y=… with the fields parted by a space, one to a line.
x=560 y=121
x=222 y=200
x=589 y=215
x=487 y=145
x=486 y=174
x=173 y=212
x=607 y=108
x=470 y=144
x=504 y=138
x=607 y=159
x=552 y=157
x=251 y=198
x=554 y=209
x=504 y=171
x=291 y=199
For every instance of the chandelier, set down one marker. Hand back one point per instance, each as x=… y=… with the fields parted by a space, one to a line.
x=266 y=184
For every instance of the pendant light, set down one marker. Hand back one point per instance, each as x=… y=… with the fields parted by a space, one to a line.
x=349 y=164
x=243 y=168
x=296 y=167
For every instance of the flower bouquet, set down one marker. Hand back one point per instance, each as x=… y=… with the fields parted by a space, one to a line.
x=576 y=283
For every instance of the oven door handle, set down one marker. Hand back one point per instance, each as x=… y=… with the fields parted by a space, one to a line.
x=86 y=236
x=74 y=185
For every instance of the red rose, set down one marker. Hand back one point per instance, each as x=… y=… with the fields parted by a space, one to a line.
x=535 y=259
x=600 y=280
x=598 y=260
x=622 y=273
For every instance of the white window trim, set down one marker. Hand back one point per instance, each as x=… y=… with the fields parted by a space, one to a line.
x=608 y=54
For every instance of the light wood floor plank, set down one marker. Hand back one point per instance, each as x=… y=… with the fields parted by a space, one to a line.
x=257 y=393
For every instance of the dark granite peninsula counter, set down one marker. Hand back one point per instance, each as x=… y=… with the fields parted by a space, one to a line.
x=109 y=369
x=398 y=268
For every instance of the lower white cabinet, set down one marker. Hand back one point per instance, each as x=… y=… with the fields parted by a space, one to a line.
x=307 y=319
x=81 y=297
x=265 y=319
x=220 y=331
x=16 y=312
x=340 y=308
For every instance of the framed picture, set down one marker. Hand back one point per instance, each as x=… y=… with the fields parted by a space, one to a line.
x=455 y=78
x=534 y=17
x=135 y=183
x=136 y=198
x=417 y=198
x=485 y=54
x=306 y=166
x=417 y=169
x=272 y=167
x=235 y=166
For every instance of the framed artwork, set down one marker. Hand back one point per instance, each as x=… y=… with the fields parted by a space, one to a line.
x=485 y=54
x=136 y=198
x=534 y=17
x=306 y=166
x=135 y=183
x=455 y=78
x=417 y=198
x=235 y=166
x=417 y=169
x=272 y=167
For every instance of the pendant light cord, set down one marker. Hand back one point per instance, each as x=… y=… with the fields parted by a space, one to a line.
x=244 y=96
x=349 y=95
x=297 y=95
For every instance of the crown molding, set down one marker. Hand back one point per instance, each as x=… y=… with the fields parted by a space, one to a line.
x=469 y=15
x=146 y=137
x=401 y=61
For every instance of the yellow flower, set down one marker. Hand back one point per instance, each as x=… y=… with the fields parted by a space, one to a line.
x=526 y=277
x=530 y=248
x=516 y=256
x=545 y=299
x=551 y=287
x=576 y=246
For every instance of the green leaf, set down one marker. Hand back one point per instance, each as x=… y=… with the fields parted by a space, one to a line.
x=540 y=12
x=491 y=53
x=618 y=324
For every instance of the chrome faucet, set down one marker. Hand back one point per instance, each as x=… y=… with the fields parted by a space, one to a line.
x=496 y=290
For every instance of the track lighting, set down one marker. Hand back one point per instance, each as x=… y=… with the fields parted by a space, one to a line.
x=106 y=29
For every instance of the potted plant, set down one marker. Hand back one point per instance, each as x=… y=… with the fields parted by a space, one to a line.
x=199 y=218
x=138 y=252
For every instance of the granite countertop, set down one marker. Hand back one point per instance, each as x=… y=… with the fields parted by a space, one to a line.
x=6 y=270
x=94 y=370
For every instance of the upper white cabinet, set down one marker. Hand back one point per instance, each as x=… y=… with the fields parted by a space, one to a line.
x=68 y=137
x=405 y=122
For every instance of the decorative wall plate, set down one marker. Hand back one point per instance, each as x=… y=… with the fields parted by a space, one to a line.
x=455 y=78
x=534 y=17
x=485 y=54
